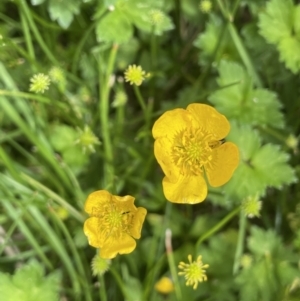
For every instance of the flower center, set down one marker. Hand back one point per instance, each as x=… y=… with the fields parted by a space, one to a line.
x=113 y=220
x=192 y=150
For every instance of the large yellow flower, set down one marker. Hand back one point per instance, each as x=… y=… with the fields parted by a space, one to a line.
x=113 y=224
x=188 y=147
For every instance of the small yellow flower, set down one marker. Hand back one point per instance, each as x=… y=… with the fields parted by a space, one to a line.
x=100 y=265
x=135 y=75
x=205 y=6
x=87 y=139
x=194 y=271
x=251 y=206
x=113 y=224
x=164 y=285
x=188 y=145
x=39 y=83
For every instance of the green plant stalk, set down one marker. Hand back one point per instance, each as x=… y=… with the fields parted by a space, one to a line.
x=27 y=36
x=57 y=245
x=75 y=255
x=104 y=88
x=240 y=242
x=160 y=256
x=239 y=44
x=39 y=98
x=36 y=33
x=216 y=228
x=53 y=196
x=11 y=210
x=171 y=262
x=102 y=289
x=140 y=99
x=80 y=46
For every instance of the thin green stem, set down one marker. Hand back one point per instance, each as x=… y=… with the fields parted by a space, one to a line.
x=240 y=243
x=104 y=87
x=39 y=98
x=171 y=261
x=77 y=215
x=140 y=99
x=36 y=33
x=27 y=36
x=229 y=16
x=217 y=227
x=102 y=290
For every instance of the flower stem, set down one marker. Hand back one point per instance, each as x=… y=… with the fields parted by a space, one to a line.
x=240 y=243
x=104 y=88
x=238 y=42
x=102 y=290
x=140 y=99
x=217 y=227
x=169 y=250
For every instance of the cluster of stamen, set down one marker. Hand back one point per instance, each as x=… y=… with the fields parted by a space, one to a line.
x=113 y=220
x=192 y=150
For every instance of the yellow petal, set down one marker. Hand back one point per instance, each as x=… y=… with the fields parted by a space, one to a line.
x=96 y=200
x=187 y=190
x=171 y=122
x=225 y=160
x=126 y=201
x=91 y=229
x=123 y=245
x=162 y=152
x=210 y=119
x=137 y=222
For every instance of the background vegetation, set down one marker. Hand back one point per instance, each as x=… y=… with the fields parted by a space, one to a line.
x=242 y=57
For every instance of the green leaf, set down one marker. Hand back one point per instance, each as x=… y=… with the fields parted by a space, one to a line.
x=270 y=162
x=289 y=49
x=114 y=27
x=297 y=20
x=260 y=166
x=239 y=100
x=276 y=22
x=29 y=284
x=208 y=42
x=63 y=11
x=262 y=242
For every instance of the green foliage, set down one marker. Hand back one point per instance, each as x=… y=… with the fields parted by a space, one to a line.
x=229 y=58
x=215 y=42
x=29 y=284
x=239 y=100
x=63 y=139
x=271 y=272
x=117 y=25
x=279 y=25
x=262 y=166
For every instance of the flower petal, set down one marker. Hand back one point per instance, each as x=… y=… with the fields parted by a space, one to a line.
x=126 y=201
x=124 y=244
x=162 y=152
x=171 y=122
x=187 y=190
x=91 y=229
x=210 y=119
x=96 y=200
x=137 y=222
x=225 y=161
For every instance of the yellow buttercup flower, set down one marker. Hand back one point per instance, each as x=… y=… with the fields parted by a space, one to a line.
x=164 y=285
x=194 y=271
x=113 y=224
x=188 y=146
